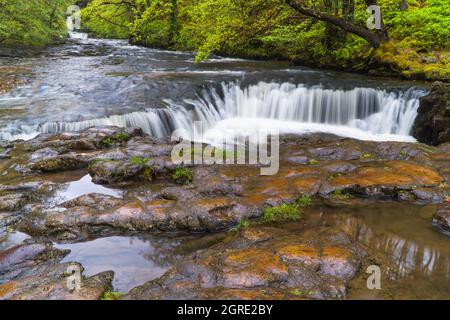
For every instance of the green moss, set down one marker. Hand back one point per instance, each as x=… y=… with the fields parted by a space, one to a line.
x=107 y=142
x=298 y=292
x=304 y=200
x=183 y=175
x=313 y=161
x=284 y=212
x=99 y=160
x=111 y=295
x=338 y=194
x=243 y=224
x=148 y=173
x=2 y=150
x=122 y=136
x=139 y=160
x=366 y=155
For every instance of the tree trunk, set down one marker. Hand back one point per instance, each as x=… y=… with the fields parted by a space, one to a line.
x=374 y=38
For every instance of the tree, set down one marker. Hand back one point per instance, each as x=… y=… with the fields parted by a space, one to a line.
x=374 y=38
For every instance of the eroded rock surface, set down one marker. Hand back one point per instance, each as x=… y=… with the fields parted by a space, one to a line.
x=32 y=271
x=263 y=263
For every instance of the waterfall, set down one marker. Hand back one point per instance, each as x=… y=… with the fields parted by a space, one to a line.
x=363 y=113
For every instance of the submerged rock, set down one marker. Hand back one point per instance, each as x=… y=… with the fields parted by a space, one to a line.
x=441 y=220
x=432 y=125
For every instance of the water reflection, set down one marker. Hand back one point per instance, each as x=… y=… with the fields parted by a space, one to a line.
x=419 y=256
x=81 y=187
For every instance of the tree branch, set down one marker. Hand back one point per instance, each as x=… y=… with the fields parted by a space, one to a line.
x=374 y=39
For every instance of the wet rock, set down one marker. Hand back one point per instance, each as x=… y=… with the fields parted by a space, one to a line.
x=340 y=167
x=385 y=181
x=441 y=220
x=33 y=271
x=88 y=140
x=98 y=215
x=259 y=261
x=59 y=163
x=12 y=202
x=18 y=261
x=108 y=172
x=8 y=219
x=51 y=284
x=340 y=152
x=432 y=124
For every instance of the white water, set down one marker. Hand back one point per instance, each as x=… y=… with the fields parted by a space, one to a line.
x=361 y=113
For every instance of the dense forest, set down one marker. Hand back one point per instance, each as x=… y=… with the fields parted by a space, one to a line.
x=414 y=39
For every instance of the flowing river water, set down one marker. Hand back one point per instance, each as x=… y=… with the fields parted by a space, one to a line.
x=89 y=82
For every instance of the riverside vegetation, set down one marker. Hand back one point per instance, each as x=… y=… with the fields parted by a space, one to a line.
x=414 y=41
x=87 y=180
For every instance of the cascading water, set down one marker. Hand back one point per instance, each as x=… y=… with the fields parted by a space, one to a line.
x=362 y=113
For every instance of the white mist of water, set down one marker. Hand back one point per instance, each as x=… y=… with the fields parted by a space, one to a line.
x=361 y=113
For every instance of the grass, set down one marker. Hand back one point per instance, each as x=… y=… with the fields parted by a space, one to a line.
x=111 y=295
x=183 y=175
x=284 y=212
x=140 y=161
x=2 y=150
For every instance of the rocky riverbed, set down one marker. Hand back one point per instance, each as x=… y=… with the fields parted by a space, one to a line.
x=357 y=203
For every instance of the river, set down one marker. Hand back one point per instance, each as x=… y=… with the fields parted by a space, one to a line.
x=89 y=82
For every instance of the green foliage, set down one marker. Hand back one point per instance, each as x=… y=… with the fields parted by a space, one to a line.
x=284 y=212
x=425 y=27
x=183 y=175
x=111 y=295
x=32 y=22
x=108 y=18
